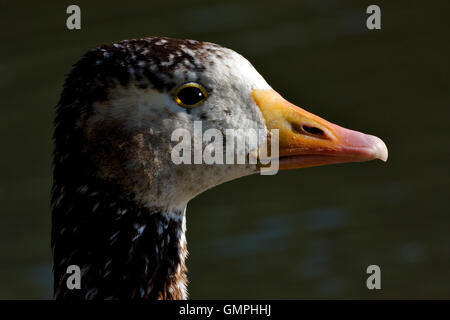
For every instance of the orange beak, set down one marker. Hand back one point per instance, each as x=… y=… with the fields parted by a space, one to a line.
x=306 y=140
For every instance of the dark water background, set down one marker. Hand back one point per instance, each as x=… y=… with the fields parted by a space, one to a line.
x=300 y=234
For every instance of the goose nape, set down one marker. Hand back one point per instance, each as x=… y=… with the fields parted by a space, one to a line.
x=119 y=200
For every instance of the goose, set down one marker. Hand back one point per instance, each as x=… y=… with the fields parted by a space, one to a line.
x=119 y=200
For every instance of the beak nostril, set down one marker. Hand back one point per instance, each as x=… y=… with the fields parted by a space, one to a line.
x=309 y=130
x=313 y=130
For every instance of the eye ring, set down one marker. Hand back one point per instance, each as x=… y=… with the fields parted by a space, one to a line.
x=190 y=98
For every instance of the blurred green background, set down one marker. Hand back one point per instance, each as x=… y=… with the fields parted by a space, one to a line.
x=300 y=234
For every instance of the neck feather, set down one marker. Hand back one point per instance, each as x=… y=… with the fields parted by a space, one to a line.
x=124 y=250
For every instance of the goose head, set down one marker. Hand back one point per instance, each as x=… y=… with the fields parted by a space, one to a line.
x=125 y=110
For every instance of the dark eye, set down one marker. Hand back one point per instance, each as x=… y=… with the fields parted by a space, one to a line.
x=190 y=95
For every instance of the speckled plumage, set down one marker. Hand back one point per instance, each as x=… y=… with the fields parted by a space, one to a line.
x=114 y=182
x=150 y=62
x=124 y=250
